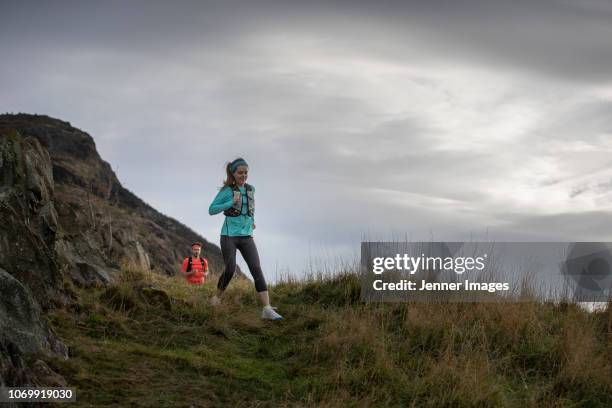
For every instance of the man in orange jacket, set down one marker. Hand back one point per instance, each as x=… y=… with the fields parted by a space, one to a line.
x=195 y=268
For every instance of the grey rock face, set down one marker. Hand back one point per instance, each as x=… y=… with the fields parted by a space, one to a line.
x=29 y=220
x=22 y=332
x=28 y=233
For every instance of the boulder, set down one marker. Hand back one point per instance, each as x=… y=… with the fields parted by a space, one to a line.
x=22 y=333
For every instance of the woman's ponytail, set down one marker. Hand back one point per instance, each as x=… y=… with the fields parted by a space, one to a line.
x=229 y=179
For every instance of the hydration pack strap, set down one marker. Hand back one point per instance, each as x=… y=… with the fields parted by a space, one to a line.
x=190 y=261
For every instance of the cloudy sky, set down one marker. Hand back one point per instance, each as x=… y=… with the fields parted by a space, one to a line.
x=445 y=120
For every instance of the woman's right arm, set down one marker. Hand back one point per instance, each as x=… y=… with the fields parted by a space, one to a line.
x=222 y=201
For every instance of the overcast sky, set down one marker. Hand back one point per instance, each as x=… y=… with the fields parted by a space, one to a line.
x=442 y=120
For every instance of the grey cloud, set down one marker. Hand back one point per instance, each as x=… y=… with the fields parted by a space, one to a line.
x=577 y=191
x=172 y=91
x=583 y=121
x=601 y=190
x=580 y=226
x=558 y=38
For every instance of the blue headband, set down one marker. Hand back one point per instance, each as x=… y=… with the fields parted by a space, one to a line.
x=238 y=162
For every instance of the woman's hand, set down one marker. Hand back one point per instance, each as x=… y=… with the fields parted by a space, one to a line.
x=254 y=226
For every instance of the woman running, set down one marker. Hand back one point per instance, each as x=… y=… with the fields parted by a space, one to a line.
x=237 y=201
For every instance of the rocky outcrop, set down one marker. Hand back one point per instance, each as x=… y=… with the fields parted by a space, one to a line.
x=22 y=335
x=28 y=233
x=29 y=220
x=66 y=217
x=104 y=226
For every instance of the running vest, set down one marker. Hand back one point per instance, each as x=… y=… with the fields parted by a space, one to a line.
x=236 y=209
x=191 y=261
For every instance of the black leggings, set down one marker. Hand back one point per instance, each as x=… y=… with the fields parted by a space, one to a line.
x=247 y=248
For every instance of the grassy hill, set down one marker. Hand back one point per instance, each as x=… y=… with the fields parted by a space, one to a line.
x=154 y=341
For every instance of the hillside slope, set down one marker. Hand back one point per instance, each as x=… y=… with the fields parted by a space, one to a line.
x=66 y=218
x=154 y=341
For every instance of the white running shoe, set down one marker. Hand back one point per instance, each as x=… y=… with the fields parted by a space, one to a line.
x=215 y=301
x=269 y=313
